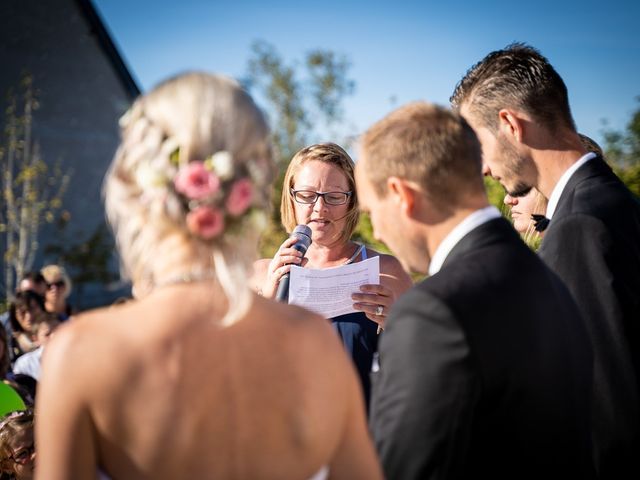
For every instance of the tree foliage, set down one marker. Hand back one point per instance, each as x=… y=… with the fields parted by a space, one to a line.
x=32 y=191
x=622 y=150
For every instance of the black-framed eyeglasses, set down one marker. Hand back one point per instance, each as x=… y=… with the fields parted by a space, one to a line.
x=309 y=197
x=24 y=455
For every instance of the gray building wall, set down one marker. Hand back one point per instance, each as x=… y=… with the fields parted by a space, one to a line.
x=83 y=88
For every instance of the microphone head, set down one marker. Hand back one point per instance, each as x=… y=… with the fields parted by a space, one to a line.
x=303 y=238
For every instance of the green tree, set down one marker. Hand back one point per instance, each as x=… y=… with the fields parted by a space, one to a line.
x=622 y=150
x=302 y=98
x=32 y=191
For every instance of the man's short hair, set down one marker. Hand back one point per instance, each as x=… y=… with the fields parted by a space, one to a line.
x=518 y=76
x=428 y=144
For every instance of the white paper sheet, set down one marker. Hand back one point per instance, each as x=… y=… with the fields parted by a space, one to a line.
x=328 y=291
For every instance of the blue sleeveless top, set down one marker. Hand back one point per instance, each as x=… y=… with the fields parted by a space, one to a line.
x=359 y=336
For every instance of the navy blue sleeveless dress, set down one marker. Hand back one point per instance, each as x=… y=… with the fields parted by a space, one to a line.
x=360 y=338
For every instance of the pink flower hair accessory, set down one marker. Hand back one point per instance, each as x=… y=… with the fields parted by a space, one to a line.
x=214 y=194
x=240 y=197
x=205 y=221
x=196 y=182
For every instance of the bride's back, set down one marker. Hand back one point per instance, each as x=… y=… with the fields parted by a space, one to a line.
x=180 y=397
x=198 y=377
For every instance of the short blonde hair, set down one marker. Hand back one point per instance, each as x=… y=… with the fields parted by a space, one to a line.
x=429 y=145
x=187 y=118
x=327 y=153
x=51 y=273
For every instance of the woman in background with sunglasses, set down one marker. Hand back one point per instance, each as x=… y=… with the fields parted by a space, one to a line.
x=319 y=191
x=58 y=291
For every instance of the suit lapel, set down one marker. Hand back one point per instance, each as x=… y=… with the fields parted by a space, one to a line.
x=593 y=169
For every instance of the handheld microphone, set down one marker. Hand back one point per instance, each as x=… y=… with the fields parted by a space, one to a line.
x=302 y=233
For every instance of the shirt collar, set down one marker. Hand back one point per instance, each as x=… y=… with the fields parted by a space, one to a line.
x=470 y=223
x=554 y=198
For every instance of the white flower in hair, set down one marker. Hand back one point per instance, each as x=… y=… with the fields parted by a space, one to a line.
x=222 y=165
x=257 y=171
x=259 y=220
x=149 y=178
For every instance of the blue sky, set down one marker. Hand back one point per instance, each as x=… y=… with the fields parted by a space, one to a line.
x=399 y=50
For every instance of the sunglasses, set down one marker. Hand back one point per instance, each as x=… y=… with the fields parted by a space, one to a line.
x=57 y=284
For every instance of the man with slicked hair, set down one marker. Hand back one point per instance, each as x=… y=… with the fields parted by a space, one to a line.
x=518 y=105
x=478 y=376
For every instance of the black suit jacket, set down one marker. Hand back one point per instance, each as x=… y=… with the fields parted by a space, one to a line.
x=485 y=370
x=593 y=244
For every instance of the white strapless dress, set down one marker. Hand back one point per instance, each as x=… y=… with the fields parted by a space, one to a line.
x=322 y=474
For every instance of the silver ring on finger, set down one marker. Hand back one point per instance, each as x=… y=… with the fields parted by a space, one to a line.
x=379 y=310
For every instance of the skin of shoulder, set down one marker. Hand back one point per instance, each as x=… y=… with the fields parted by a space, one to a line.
x=260 y=268
x=392 y=275
x=83 y=377
x=354 y=455
x=65 y=392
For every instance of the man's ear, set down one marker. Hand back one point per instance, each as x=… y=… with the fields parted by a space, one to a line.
x=403 y=193
x=511 y=124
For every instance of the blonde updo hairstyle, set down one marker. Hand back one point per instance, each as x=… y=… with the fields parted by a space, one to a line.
x=187 y=118
x=327 y=153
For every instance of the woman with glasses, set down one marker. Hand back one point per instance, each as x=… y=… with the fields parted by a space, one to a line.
x=17 y=451
x=319 y=191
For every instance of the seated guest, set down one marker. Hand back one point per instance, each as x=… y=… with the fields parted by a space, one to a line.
x=29 y=363
x=24 y=311
x=485 y=366
x=33 y=281
x=58 y=291
x=17 y=450
x=198 y=377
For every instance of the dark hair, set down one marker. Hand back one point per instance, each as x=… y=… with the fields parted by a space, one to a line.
x=591 y=145
x=26 y=299
x=5 y=359
x=518 y=76
x=34 y=276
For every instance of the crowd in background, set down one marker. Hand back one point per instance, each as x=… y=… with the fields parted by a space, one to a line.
x=39 y=305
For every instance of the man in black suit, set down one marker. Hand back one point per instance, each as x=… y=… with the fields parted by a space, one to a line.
x=518 y=105
x=485 y=366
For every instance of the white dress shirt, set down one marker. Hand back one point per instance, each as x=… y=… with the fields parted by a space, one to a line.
x=554 y=198
x=470 y=223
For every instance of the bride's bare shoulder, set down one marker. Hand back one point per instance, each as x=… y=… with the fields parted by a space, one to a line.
x=308 y=329
x=86 y=337
x=260 y=269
